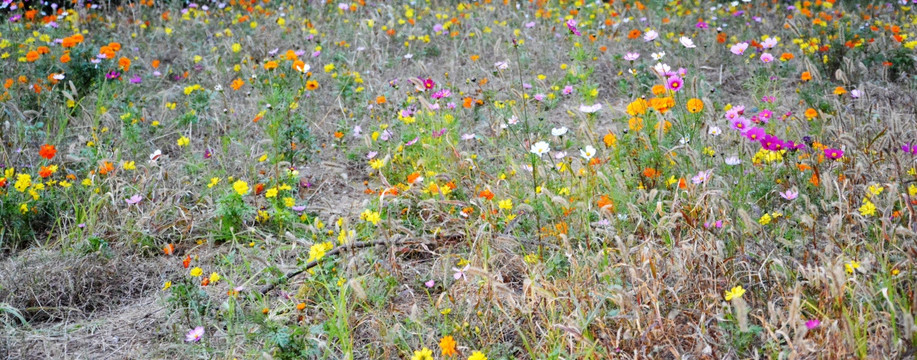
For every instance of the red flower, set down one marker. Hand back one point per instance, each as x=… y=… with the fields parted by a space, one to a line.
x=47 y=151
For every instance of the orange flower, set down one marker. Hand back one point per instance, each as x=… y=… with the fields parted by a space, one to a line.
x=633 y=34
x=45 y=172
x=413 y=177
x=301 y=306
x=43 y=50
x=47 y=151
x=259 y=187
x=604 y=201
x=68 y=42
x=270 y=65
x=658 y=90
x=168 y=249
x=237 y=83
x=811 y=113
x=311 y=85
x=155 y=64
x=467 y=102
x=106 y=167
x=380 y=99
x=610 y=140
x=115 y=46
x=786 y=56
x=806 y=76
x=721 y=38
x=650 y=173
x=695 y=105
x=635 y=124
x=187 y=261
x=124 y=63
x=65 y=58
x=32 y=56
x=840 y=91
x=8 y=83
x=487 y=194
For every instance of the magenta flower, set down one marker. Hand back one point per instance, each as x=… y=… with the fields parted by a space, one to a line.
x=428 y=83
x=834 y=154
x=741 y=123
x=567 y=90
x=812 y=324
x=195 y=334
x=112 y=75
x=429 y=284
x=674 y=83
x=767 y=57
x=755 y=133
x=571 y=25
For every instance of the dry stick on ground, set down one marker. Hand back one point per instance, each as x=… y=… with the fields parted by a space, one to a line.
x=311 y=264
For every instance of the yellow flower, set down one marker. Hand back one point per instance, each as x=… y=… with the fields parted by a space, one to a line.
x=196 y=271
x=214 y=277
x=183 y=141
x=167 y=285
x=868 y=208
x=130 y=165
x=851 y=266
x=329 y=68
x=270 y=193
x=23 y=181
x=289 y=202
x=765 y=219
x=477 y=355
x=875 y=189
x=213 y=182
x=371 y=216
x=422 y=354
x=240 y=187
x=236 y=47
x=506 y=204
x=376 y=164
x=316 y=252
x=735 y=293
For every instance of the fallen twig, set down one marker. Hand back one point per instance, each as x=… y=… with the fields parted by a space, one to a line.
x=311 y=264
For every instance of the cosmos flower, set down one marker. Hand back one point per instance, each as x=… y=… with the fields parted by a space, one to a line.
x=674 y=83
x=134 y=199
x=589 y=109
x=739 y=48
x=790 y=194
x=650 y=35
x=588 y=152
x=687 y=42
x=195 y=334
x=631 y=56
x=571 y=25
x=561 y=131
x=834 y=154
x=540 y=148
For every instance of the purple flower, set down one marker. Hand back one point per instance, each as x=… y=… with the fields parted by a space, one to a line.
x=812 y=324
x=460 y=273
x=571 y=25
x=299 y=208
x=702 y=177
x=412 y=142
x=134 y=199
x=701 y=25
x=112 y=75
x=467 y=136
x=674 y=83
x=834 y=154
x=429 y=284
x=755 y=133
x=790 y=194
x=208 y=153
x=741 y=123
x=539 y=97
x=439 y=133
x=567 y=90
x=136 y=79
x=195 y=334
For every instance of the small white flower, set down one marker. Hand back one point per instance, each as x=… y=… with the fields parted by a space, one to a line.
x=587 y=153
x=661 y=69
x=658 y=56
x=733 y=160
x=561 y=131
x=540 y=148
x=408 y=56
x=715 y=131
x=58 y=76
x=501 y=65
x=687 y=42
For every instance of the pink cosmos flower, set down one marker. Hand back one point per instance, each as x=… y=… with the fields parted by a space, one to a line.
x=789 y=194
x=739 y=48
x=674 y=83
x=567 y=90
x=134 y=199
x=195 y=334
x=571 y=25
x=767 y=57
x=812 y=324
x=769 y=43
x=631 y=56
x=460 y=273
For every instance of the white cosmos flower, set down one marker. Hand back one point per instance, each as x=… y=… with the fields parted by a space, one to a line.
x=687 y=42
x=733 y=160
x=588 y=152
x=661 y=69
x=658 y=56
x=715 y=131
x=559 y=131
x=540 y=148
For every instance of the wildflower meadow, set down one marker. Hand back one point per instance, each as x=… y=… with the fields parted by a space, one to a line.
x=432 y=179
